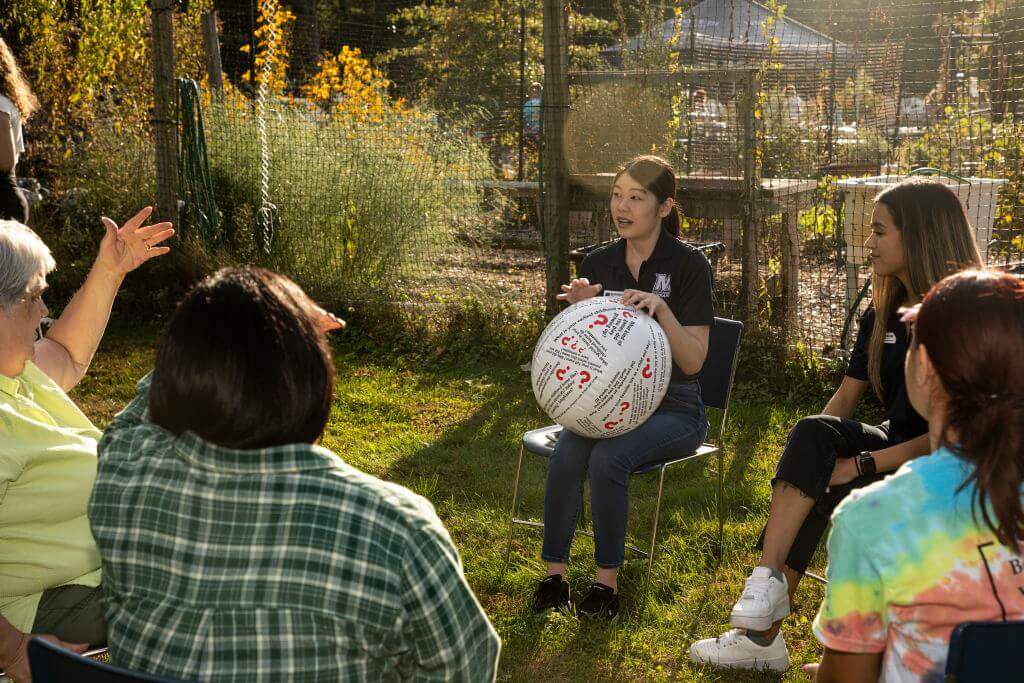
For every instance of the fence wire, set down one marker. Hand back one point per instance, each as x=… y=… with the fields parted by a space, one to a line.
x=403 y=142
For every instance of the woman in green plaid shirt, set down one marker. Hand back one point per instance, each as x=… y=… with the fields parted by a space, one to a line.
x=235 y=548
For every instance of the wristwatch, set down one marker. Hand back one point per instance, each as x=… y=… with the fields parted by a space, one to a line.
x=866 y=463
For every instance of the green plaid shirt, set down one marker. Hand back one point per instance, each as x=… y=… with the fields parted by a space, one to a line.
x=282 y=564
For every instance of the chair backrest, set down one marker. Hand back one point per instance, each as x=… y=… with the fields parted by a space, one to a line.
x=720 y=365
x=985 y=651
x=53 y=664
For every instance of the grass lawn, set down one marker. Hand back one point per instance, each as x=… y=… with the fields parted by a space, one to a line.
x=451 y=431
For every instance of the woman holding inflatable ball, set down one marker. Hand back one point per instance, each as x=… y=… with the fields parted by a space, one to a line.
x=671 y=282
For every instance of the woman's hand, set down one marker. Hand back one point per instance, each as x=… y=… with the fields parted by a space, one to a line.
x=328 y=322
x=578 y=290
x=652 y=304
x=126 y=248
x=15 y=662
x=845 y=471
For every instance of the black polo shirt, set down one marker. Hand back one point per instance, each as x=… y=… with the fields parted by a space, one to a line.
x=904 y=421
x=677 y=272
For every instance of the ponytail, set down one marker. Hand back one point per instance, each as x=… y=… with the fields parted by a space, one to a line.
x=990 y=433
x=972 y=325
x=672 y=222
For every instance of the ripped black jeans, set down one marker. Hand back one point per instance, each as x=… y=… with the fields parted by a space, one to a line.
x=807 y=461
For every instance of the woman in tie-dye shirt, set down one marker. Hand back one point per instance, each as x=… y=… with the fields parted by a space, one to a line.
x=939 y=542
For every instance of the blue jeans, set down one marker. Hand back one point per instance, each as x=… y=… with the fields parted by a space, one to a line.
x=678 y=427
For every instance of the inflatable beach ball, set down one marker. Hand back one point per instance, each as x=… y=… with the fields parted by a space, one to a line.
x=600 y=369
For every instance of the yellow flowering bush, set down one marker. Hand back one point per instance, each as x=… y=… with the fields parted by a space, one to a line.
x=348 y=84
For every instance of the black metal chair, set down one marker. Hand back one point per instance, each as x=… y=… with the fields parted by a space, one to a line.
x=985 y=652
x=53 y=664
x=716 y=379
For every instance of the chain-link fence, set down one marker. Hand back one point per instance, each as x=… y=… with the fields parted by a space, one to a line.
x=396 y=151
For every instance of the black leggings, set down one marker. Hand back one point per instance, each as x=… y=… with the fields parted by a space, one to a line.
x=12 y=202
x=807 y=462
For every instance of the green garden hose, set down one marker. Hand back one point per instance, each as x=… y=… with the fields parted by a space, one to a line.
x=195 y=183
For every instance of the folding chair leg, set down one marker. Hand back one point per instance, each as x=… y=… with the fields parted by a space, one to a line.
x=721 y=503
x=654 y=533
x=515 y=505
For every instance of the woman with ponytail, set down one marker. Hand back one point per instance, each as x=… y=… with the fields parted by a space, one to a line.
x=939 y=542
x=919 y=234
x=671 y=281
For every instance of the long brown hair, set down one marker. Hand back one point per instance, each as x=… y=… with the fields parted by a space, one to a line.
x=937 y=241
x=657 y=177
x=972 y=325
x=14 y=85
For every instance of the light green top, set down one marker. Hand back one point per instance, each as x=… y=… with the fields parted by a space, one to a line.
x=47 y=469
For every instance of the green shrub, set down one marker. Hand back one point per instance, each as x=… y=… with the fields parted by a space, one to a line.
x=360 y=206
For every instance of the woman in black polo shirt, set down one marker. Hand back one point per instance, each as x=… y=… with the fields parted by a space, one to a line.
x=919 y=234
x=670 y=281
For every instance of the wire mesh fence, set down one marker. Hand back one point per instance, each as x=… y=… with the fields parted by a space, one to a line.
x=401 y=149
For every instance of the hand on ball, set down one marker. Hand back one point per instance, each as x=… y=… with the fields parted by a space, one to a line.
x=652 y=304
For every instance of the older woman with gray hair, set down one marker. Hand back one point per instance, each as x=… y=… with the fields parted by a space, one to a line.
x=49 y=565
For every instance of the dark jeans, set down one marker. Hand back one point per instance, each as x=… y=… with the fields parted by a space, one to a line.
x=73 y=614
x=814 y=445
x=12 y=202
x=678 y=427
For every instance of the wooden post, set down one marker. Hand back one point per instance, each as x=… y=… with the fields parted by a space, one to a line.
x=751 y=209
x=164 y=125
x=555 y=195
x=211 y=50
x=790 y=273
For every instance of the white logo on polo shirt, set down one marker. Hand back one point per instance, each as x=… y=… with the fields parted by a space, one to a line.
x=662 y=285
x=890 y=337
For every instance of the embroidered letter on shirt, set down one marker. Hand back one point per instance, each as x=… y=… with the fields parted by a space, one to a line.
x=662 y=285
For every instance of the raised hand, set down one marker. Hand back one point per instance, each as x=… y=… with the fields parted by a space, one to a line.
x=578 y=290
x=125 y=248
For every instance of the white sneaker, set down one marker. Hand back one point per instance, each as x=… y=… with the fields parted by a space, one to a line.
x=764 y=601
x=734 y=650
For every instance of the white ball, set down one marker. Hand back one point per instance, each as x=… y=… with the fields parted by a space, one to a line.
x=600 y=369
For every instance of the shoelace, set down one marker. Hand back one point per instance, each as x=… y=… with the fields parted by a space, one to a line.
x=730 y=637
x=759 y=584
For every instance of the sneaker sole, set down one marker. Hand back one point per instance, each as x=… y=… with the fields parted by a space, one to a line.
x=759 y=623
x=778 y=664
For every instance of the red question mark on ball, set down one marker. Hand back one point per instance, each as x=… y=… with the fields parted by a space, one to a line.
x=611 y=425
x=560 y=372
x=623 y=407
x=584 y=377
x=601 y=319
x=647 y=370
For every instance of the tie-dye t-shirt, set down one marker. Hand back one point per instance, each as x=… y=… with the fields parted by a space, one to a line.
x=907 y=562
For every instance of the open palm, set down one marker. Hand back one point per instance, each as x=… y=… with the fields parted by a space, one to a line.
x=125 y=248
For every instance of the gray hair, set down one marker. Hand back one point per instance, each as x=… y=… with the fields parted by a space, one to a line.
x=22 y=256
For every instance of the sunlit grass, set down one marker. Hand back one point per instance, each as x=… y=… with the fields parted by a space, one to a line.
x=450 y=431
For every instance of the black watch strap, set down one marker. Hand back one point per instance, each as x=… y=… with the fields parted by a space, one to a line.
x=866 y=464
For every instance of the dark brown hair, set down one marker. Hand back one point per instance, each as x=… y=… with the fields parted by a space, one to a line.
x=14 y=85
x=972 y=324
x=937 y=241
x=657 y=177
x=243 y=363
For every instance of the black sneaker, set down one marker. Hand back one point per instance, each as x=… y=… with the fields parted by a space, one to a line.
x=552 y=592
x=600 y=602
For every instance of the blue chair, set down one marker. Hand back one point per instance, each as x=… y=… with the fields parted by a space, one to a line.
x=985 y=652
x=53 y=664
x=716 y=378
